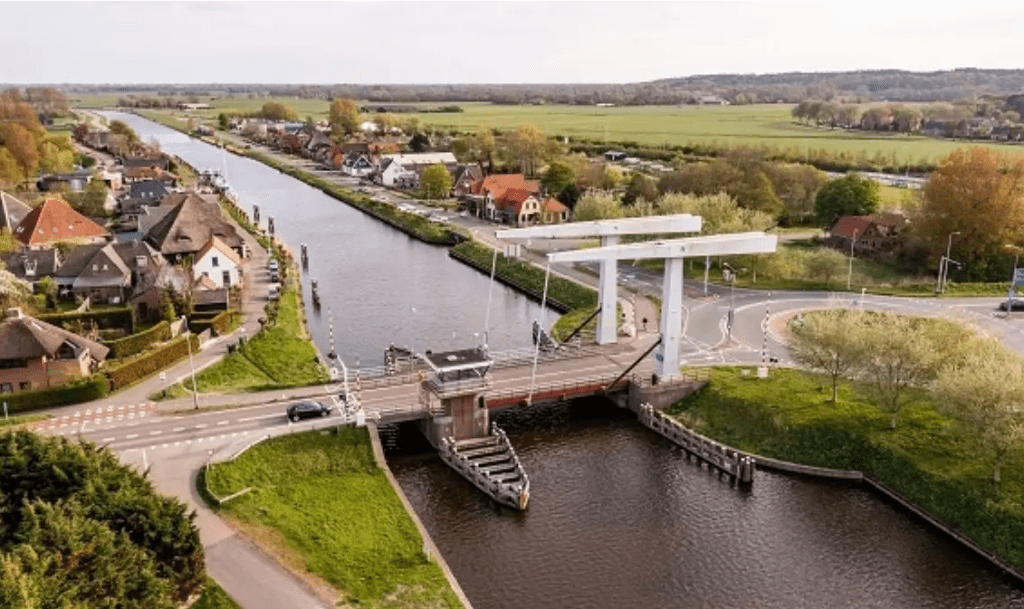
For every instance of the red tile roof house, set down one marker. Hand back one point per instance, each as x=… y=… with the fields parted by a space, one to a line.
x=37 y=355
x=54 y=221
x=489 y=195
x=877 y=237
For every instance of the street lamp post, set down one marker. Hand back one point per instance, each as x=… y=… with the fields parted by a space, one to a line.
x=191 y=364
x=849 y=274
x=944 y=264
x=732 y=294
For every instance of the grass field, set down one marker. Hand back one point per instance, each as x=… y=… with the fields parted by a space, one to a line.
x=754 y=125
x=931 y=458
x=323 y=504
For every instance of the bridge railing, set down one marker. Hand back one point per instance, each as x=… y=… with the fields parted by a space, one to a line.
x=566 y=387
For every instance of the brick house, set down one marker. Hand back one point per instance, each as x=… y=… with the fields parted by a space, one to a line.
x=37 y=355
x=54 y=221
x=877 y=237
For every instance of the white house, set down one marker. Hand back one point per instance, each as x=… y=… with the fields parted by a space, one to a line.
x=404 y=169
x=217 y=261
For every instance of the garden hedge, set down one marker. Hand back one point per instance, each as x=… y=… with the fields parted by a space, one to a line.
x=126 y=373
x=137 y=343
x=83 y=390
x=121 y=317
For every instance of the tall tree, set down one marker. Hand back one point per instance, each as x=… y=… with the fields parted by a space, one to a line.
x=979 y=195
x=557 y=178
x=344 y=117
x=828 y=342
x=848 y=195
x=122 y=128
x=986 y=390
x=436 y=182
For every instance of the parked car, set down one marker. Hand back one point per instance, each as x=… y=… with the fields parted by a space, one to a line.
x=273 y=292
x=272 y=265
x=308 y=409
x=275 y=276
x=1016 y=304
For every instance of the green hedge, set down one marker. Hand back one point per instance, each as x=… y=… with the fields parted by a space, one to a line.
x=84 y=390
x=221 y=323
x=121 y=317
x=137 y=343
x=128 y=372
x=563 y=294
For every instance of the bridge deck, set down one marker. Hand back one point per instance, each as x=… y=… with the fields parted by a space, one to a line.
x=565 y=375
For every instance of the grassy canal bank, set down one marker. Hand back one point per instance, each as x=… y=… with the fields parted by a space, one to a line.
x=321 y=503
x=931 y=458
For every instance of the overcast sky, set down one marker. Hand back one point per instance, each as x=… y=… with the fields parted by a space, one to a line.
x=492 y=42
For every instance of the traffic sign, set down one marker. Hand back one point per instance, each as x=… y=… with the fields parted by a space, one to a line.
x=1018 y=276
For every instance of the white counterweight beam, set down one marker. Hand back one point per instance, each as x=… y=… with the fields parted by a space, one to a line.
x=648 y=225
x=609 y=231
x=673 y=251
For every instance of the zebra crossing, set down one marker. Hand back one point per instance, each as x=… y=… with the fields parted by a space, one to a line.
x=95 y=418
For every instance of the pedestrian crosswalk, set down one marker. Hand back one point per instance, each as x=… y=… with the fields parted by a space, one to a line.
x=95 y=417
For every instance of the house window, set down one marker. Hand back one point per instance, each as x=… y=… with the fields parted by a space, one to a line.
x=6 y=388
x=25 y=385
x=214 y=261
x=227 y=278
x=66 y=351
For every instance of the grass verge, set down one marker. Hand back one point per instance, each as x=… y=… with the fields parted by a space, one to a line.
x=931 y=458
x=323 y=498
x=281 y=355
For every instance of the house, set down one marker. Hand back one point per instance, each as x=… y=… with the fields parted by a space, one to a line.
x=319 y=143
x=31 y=265
x=877 y=236
x=74 y=181
x=489 y=194
x=218 y=262
x=54 y=221
x=37 y=355
x=184 y=227
x=357 y=164
x=12 y=212
x=463 y=178
x=159 y=161
x=148 y=189
x=402 y=170
x=107 y=273
x=139 y=174
x=147 y=294
x=554 y=212
x=517 y=207
x=937 y=128
x=189 y=107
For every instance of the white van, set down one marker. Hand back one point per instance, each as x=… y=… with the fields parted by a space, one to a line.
x=273 y=292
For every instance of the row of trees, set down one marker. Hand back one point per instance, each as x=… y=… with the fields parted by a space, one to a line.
x=25 y=146
x=973 y=377
x=79 y=529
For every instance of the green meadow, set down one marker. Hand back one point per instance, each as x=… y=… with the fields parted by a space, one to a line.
x=725 y=126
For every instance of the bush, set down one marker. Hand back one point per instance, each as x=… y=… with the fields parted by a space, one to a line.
x=121 y=317
x=84 y=390
x=221 y=323
x=128 y=372
x=136 y=343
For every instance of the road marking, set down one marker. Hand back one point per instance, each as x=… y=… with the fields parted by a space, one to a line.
x=177 y=429
x=222 y=422
x=201 y=426
x=266 y=416
x=177 y=443
x=105 y=440
x=155 y=433
x=131 y=436
x=131 y=415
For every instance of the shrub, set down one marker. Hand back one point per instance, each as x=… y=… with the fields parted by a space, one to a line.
x=121 y=317
x=83 y=390
x=128 y=372
x=136 y=343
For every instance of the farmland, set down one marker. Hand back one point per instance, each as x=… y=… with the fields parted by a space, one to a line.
x=719 y=126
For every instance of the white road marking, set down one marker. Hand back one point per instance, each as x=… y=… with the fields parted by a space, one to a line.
x=177 y=429
x=131 y=436
x=266 y=416
x=222 y=422
x=155 y=433
x=105 y=440
x=201 y=426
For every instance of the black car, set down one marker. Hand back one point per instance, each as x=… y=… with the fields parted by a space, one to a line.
x=305 y=410
x=1015 y=305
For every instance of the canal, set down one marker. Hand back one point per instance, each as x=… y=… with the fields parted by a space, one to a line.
x=381 y=285
x=618 y=517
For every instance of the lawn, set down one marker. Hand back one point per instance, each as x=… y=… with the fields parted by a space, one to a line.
x=321 y=501
x=930 y=457
x=214 y=597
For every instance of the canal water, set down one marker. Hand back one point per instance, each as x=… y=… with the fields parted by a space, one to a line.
x=381 y=285
x=618 y=516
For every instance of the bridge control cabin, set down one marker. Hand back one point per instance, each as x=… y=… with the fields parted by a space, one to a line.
x=454 y=393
